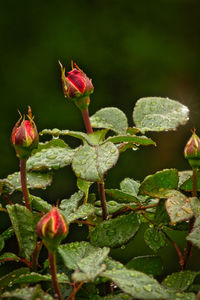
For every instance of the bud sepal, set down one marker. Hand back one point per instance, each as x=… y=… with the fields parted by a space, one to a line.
x=52 y=229
x=192 y=150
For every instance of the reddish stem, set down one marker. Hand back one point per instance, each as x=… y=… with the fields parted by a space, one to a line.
x=101 y=189
x=35 y=255
x=181 y=258
x=128 y=208
x=191 y=224
x=86 y=119
x=52 y=264
x=75 y=291
x=24 y=182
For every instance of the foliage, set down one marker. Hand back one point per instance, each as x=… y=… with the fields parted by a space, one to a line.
x=159 y=205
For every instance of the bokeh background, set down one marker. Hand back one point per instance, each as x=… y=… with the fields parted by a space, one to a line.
x=129 y=48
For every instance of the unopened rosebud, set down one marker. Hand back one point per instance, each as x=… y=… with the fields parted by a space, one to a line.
x=192 y=151
x=52 y=228
x=25 y=136
x=76 y=86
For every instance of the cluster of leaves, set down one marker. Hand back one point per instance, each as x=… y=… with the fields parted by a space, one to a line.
x=162 y=201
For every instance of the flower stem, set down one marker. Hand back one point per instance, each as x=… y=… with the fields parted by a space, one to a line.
x=103 y=200
x=52 y=264
x=86 y=119
x=101 y=189
x=191 y=224
x=24 y=182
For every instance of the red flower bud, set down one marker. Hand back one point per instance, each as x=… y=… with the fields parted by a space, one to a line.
x=192 y=150
x=76 y=84
x=24 y=136
x=52 y=228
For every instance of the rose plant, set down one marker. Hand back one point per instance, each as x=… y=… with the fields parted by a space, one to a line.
x=46 y=265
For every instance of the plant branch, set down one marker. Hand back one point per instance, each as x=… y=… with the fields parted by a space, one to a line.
x=101 y=189
x=75 y=291
x=52 y=264
x=129 y=208
x=191 y=224
x=35 y=255
x=174 y=244
x=24 y=182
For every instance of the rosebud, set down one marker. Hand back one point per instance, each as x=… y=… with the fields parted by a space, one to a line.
x=76 y=86
x=52 y=228
x=192 y=151
x=24 y=136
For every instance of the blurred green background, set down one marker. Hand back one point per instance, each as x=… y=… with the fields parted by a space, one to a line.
x=130 y=49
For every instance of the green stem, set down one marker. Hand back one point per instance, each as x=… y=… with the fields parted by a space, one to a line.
x=101 y=189
x=24 y=182
x=52 y=264
x=191 y=224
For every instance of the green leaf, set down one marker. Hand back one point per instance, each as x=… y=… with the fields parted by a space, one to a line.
x=8 y=256
x=10 y=277
x=40 y=204
x=154 y=238
x=34 y=277
x=137 y=284
x=159 y=114
x=91 y=266
x=149 y=264
x=8 y=233
x=77 y=134
x=35 y=180
x=179 y=281
x=138 y=140
x=24 y=227
x=2 y=243
x=115 y=232
x=120 y=296
x=54 y=154
x=90 y=163
x=82 y=212
x=112 y=207
x=194 y=236
x=70 y=205
x=27 y=293
x=75 y=252
x=182 y=296
x=161 y=215
x=98 y=136
x=132 y=130
x=120 y=196
x=110 y=118
x=187 y=184
x=154 y=185
x=84 y=186
x=179 y=208
x=130 y=186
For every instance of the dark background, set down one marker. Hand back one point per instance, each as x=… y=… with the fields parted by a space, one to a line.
x=130 y=49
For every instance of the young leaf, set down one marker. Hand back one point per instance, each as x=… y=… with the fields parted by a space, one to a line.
x=82 y=212
x=115 y=232
x=154 y=185
x=84 y=186
x=10 y=277
x=54 y=154
x=98 y=136
x=8 y=256
x=159 y=114
x=161 y=215
x=149 y=264
x=120 y=296
x=27 y=293
x=70 y=205
x=40 y=204
x=179 y=208
x=194 y=236
x=35 y=180
x=90 y=163
x=137 y=284
x=24 y=227
x=137 y=140
x=34 y=277
x=110 y=118
x=179 y=281
x=130 y=186
x=154 y=238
